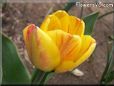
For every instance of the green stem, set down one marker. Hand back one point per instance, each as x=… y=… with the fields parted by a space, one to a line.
x=81 y=13
x=105 y=14
x=39 y=77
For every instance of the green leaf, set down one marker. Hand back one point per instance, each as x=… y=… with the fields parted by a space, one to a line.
x=70 y=4
x=110 y=77
x=14 y=72
x=89 y=22
x=110 y=61
x=108 y=74
x=0 y=59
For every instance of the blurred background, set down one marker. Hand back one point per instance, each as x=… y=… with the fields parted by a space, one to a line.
x=16 y=16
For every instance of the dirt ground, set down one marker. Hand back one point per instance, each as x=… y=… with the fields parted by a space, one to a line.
x=15 y=16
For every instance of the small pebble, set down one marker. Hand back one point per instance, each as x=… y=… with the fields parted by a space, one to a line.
x=77 y=72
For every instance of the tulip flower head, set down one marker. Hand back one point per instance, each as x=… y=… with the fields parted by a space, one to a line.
x=59 y=44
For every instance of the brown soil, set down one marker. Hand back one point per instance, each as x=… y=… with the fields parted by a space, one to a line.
x=17 y=15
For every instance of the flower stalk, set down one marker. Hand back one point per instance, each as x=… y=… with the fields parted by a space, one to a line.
x=39 y=77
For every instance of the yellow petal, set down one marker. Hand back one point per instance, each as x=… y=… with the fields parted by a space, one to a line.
x=68 y=44
x=76 y=26
x=65 y=23
x=70 y=24
x=87 y=48
x=61 y=20
x=50 y=23
x=43 y=52
x=26 y=34
x=60 y=14
x=65 y=66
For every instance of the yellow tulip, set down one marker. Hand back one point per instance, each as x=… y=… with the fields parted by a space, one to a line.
x=59 y=44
